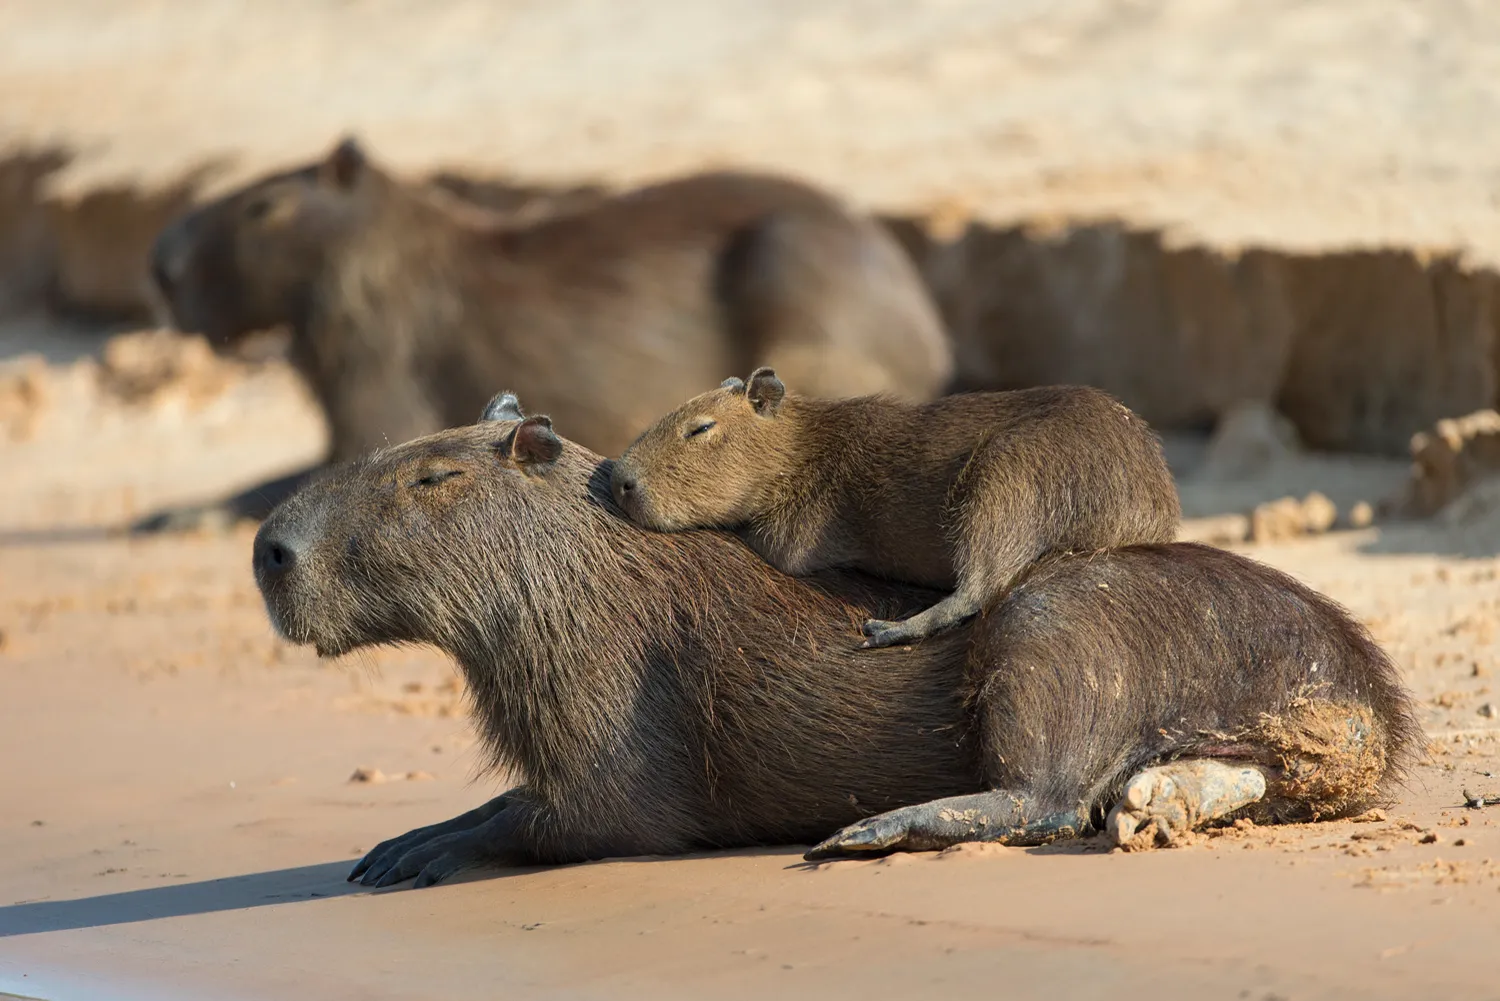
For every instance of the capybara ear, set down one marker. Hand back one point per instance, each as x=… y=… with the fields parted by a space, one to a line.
x=534 y=443
x=733 y=382
x=502 y=407
x=764 y=391
x=345 y=164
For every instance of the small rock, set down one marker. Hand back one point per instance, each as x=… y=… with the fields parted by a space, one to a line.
x=1318 y=513
x=1430 y=838
x=1489 y=710
x=1460 y=842
x=373 y=776
x=1361 y=515
x=1289 y=518
x=418 y=776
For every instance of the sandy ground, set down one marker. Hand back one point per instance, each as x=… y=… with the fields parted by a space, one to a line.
x=179 y=812
x=1300 y=125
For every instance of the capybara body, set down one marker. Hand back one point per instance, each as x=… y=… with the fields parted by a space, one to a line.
x=961 y=493
x=660 y=693
x=405 y=313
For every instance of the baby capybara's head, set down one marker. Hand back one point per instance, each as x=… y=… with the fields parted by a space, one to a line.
x=250 y=260
x=710 y=461
x=438 y=540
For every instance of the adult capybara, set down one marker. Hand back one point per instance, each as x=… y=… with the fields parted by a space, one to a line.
x=961 y=494
x=661 y=693
x=406 y=313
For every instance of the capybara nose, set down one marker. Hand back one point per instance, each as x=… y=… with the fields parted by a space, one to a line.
x=274 y=557
x=625 y=484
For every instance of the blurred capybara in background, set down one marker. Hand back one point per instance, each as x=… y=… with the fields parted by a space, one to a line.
x=962 y=493
x=406 y=315
x=663 y=693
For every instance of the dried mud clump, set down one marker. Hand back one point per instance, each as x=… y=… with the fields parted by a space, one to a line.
x=1289 y=518
x=1280 y=520
x=146 y=367
x=1330 y=758
x=25 y=395
x=1450 y=459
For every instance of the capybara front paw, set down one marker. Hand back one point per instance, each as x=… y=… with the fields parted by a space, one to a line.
x=1161 y=804
x=430 y=860
x=880 y=633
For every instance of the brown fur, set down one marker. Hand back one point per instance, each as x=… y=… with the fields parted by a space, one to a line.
x=662 y=693
x=963 y=493
x=406 y=313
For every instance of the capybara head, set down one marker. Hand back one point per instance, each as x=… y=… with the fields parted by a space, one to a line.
x=378 y=550
x=710 y=461
x=250 y=260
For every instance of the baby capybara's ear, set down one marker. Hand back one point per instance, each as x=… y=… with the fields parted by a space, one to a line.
x=733 y=382
x=345 y=164
x=534 y=443
x=502 y=407
x=764 y=391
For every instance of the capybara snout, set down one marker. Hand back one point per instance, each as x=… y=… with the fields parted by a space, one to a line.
x=625 y=486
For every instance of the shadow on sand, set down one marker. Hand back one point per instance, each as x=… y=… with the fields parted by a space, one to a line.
x=232 y=893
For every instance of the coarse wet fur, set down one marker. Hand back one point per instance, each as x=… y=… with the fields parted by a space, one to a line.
x=961 y=494
x=660 y=693
x=405 y=313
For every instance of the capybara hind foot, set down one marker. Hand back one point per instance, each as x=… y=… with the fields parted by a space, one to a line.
x=435 y=852
x=998 y=816
x=1161 y=804
x=944 y=615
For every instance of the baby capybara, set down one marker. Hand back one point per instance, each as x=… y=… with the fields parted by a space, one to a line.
x=663 y=693
x=962 y=493
x=405 y=312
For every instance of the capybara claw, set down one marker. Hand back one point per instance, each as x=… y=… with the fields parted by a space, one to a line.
x=439 y=870
x=878 y=834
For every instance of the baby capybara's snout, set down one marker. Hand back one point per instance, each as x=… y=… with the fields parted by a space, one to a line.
x=626 y=487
